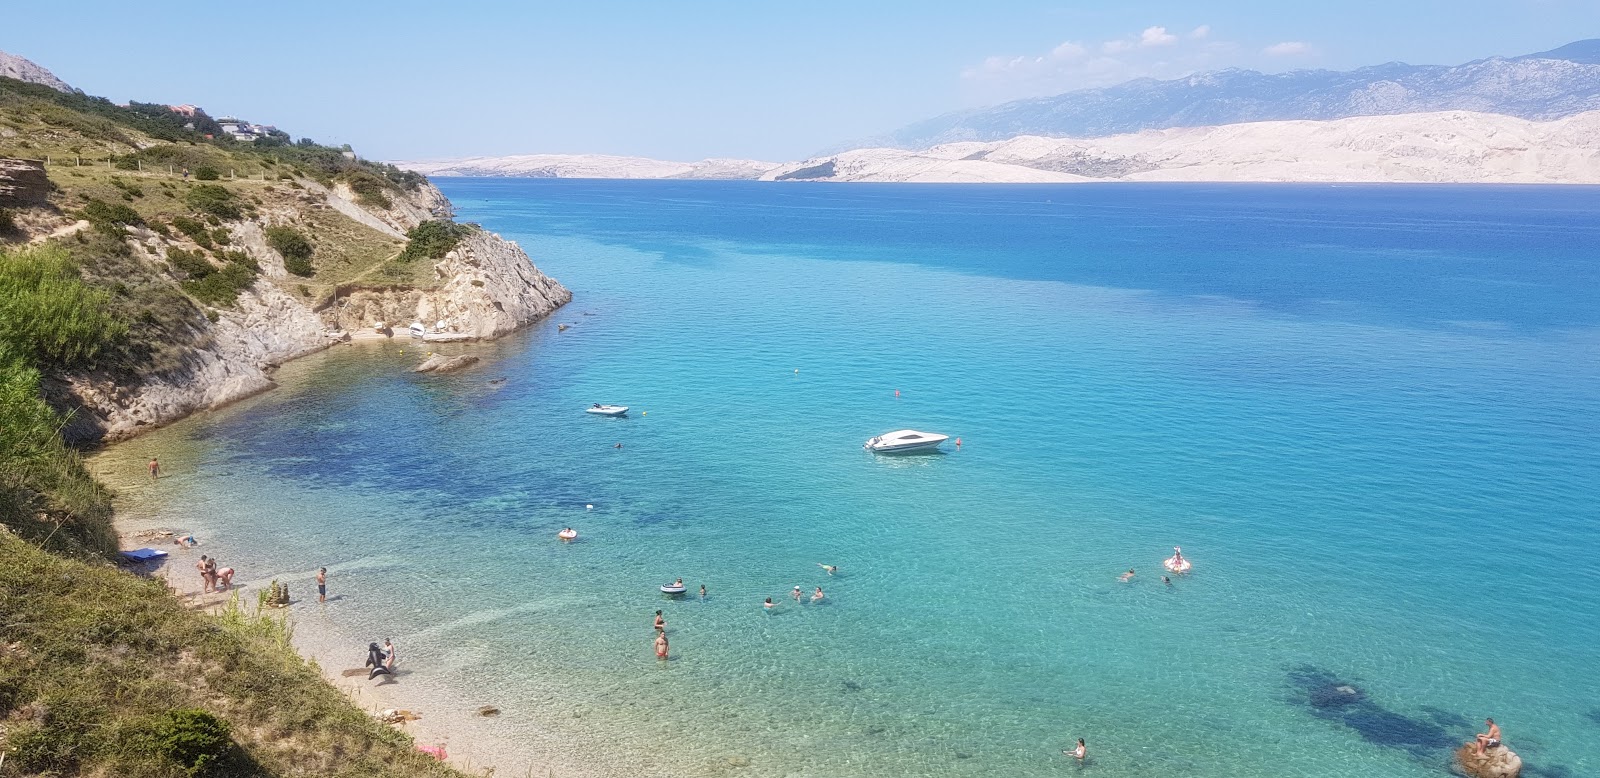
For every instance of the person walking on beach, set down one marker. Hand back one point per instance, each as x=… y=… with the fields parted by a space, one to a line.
x=389 y=655
x=155 y=469
x=661 y=646
x=661 y=623
x=322 y=584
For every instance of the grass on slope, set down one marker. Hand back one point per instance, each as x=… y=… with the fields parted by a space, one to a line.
x=102 y=671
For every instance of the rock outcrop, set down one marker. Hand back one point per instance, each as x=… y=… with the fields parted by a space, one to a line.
x=23 y=69
x=1500 y=762
x=488 y=287
x=439 y=363
x=23 y=183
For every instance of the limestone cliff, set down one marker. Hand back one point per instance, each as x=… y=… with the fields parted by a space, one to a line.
x=489 y=288
x=484 y=288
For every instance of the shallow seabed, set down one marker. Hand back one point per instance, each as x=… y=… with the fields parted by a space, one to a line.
x=1370 y=416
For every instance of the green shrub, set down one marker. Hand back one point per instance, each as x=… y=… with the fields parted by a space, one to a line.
x=433 y=239
x=210 y=284
x=8 y=222
x=206 y=173
x=48 y=316
x=221 y=236
x=192 y=264
x=369 y=189
x=194 y=229
x=295 y=247
x=111 y=218
x=128 y=162
x=194 y=738
x=213 y=200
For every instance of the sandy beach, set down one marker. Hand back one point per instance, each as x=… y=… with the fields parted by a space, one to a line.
x=475 y=743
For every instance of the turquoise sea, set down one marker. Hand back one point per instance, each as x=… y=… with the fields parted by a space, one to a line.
x=1369 y=414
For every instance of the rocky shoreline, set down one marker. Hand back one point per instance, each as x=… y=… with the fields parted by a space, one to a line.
x=488 y=287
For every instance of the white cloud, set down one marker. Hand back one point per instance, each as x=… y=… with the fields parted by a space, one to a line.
x=1156 y=36
x=1287 y=49
x=1152 y=52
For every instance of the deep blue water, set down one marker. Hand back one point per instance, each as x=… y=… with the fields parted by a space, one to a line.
x=1369 y=414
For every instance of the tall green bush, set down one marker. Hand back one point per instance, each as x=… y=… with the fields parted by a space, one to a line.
x=47 y=315
x=111 y=218
x=295 y=247
x=433 y=239
x=213 y=199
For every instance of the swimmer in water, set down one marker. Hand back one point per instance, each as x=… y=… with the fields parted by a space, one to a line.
x=661 y=645
x=702 y=592
x=1166 y=580
x=1125 y=577
x=817 y=596
x=795 y=594
x=830 y=568
x=768 y=605
x=1080 y=752
x=661 y=623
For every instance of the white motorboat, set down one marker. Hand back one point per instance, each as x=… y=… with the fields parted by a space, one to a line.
x=905 y=442
x=417 y=330
x=607 y=410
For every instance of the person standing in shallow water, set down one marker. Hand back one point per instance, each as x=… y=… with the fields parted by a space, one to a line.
x=1078 y=753
x=661 y=623
x=155 y=469
x=322 y=584
x=661 y=646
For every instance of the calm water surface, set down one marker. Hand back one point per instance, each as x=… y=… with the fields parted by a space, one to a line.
x=1370 y=415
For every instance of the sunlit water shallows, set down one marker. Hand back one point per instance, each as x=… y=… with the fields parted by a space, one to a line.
x=1370 y=416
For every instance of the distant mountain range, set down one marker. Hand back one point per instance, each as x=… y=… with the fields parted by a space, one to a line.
x=1540 y=87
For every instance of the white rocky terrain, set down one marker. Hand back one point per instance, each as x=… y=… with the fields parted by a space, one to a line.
x=22 y=69
x=1444 y=147
x=588 y=166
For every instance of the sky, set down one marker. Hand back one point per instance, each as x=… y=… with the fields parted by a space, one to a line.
x=690 y=79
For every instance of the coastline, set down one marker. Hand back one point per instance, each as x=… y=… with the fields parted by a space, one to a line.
x=473 y=742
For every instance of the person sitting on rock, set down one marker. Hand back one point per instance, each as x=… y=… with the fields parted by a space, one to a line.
x=1490 y=739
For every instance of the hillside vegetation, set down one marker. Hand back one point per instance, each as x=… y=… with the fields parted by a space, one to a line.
x=103 y=672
